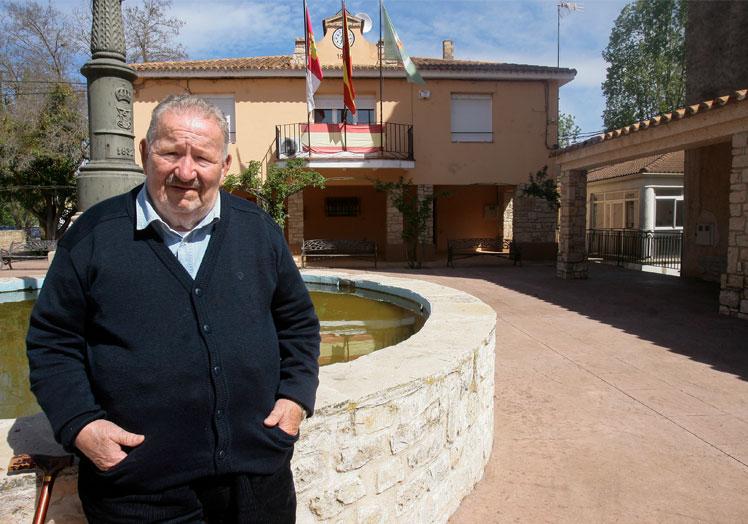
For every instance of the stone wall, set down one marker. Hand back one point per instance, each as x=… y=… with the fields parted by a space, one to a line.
x=398 y=436
x=13 y=235
x=534 y=223
x=733 y=298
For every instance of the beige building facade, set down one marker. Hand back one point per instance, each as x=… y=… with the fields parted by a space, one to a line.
x=470 y=135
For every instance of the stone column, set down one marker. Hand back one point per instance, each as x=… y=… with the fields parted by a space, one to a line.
x=394 y=222
x=648 y=209
x=427 y=191
x=112 y=169
x=295 y=220
x=508 y=214
x=733 y=297
x=572 y=252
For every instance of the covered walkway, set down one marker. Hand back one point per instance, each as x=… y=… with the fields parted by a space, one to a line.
x=622 y=398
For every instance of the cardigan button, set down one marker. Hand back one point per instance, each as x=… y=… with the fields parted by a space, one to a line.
x=219 y=413
x=217 y=370
x=206 y=328
x=198 y=291
x=221 y=454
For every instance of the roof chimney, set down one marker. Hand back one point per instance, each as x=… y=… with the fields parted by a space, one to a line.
x=448 y=50
x=299 y=52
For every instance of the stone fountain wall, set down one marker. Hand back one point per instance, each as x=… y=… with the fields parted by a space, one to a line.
x=398 y=436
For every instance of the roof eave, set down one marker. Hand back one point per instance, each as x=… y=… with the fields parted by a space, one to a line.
x=561 y=78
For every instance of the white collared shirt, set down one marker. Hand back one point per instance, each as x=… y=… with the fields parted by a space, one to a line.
x=189 y=247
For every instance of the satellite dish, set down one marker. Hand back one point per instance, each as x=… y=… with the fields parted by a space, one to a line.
x=368 y=24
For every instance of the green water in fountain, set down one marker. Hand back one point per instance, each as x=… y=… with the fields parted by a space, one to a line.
x=352 y=324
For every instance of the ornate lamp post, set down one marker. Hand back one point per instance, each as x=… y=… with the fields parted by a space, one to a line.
x=112 y=169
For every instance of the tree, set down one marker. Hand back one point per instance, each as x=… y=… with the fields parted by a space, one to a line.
x=42 y=129
x=568 y=130
x=416 y=213
x=40 y=174
x=543 y=186
x=150 y=35
x=646 y=53
x=278 y=184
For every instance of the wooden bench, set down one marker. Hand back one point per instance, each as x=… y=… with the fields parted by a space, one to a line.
x=474 y=247
x=29 y=250
x=324 y=248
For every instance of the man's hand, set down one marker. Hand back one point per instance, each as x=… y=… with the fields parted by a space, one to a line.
x=287 y=415
x=102 y=441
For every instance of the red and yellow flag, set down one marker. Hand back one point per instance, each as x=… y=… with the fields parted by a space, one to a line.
x=313 y=66
x=349 y=93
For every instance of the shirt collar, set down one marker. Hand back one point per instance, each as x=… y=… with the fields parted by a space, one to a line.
x=145 y=213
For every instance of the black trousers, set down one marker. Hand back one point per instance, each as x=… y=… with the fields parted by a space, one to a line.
x=245 y=499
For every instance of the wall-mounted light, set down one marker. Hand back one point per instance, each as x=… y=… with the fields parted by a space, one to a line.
x=424 y=94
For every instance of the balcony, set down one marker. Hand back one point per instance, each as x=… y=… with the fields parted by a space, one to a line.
x=344 y=145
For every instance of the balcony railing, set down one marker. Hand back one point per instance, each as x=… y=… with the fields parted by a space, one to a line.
x=387 y=141
x=652 y=248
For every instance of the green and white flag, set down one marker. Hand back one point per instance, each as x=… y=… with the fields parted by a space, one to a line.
x=394 y=50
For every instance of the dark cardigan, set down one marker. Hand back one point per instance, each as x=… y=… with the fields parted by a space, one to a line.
x=121 y=331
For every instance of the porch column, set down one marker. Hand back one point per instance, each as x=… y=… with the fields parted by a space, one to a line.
x=394 y=222
x=508 y=214
x=427 y=191
x=572 y=252
x=733 y=297
x=647 y=209
x=295 y=221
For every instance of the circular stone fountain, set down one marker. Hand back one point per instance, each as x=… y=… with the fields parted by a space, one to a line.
x=399 y=435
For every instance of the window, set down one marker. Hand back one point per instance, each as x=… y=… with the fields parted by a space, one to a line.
x=669 y=208
x=472 y=118
x=615 y=210
x=329 y=110
x=342 y=207
x=226 y=104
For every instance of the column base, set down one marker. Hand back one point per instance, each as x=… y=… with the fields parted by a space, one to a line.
x=572 y=270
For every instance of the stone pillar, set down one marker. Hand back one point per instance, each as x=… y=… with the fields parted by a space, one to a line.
x=508 y=214
x=647 y=209
x=427 y=191
x=394 y=222
x=295 y=220
x=572 y=252
x=112 y=169
x=733 y=297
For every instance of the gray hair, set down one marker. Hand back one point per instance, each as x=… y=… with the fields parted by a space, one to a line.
x=184 y=104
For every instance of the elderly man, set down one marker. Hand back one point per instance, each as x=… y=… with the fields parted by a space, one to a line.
x=174 y=345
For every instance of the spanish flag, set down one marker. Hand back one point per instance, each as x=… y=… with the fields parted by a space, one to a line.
x=349 y=93
x=313 y=67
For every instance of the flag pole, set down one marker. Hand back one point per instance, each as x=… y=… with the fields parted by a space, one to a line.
x=381 y=83
x=306 y=73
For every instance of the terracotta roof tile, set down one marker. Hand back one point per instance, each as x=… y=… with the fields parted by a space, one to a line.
x=286 y=62
x=678 y=114
x=665 y=163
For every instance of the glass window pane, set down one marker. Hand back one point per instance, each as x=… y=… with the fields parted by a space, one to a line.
x=617 y=217
x=324 y=116
x=665 y=213
x=679 y=213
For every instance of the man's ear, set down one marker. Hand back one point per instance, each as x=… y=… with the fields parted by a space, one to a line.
x=225 y=167
x=143 y=146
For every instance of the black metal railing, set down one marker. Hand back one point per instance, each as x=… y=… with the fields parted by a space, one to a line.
x=390 y=141
x=652 y=248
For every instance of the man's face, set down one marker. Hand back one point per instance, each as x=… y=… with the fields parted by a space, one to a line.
x=184 y=167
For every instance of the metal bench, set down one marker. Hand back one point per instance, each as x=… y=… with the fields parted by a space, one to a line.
x=324 y=248
x=474 y=247
x=29 y=250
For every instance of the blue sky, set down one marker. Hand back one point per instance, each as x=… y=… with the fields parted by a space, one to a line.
x=517 y=31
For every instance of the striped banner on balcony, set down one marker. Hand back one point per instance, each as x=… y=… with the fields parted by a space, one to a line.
x=338 y=138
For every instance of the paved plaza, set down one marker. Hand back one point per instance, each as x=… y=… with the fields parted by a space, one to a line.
x=622 y=398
